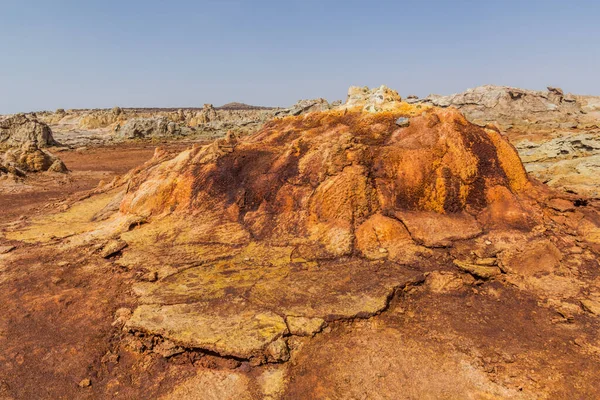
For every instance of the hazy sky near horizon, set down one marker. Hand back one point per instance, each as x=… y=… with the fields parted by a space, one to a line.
x=87 y=54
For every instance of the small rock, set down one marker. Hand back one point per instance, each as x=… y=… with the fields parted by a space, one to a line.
x=479 y=271
x=122 y=315
x=403 y=122
x=6 y=249
x=110 y=358
x=591 y=306
x=561 y=205
x=489 y=261
x=278 y=351
x=443 y=282
x=302 y=326
x=112 y=247
x=555 y=90
x=85 y=383
x=167 y=349
x=56 y=280
x=151 y=276
x=58 y=166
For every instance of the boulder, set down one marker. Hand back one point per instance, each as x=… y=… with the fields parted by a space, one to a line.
x=19 y=129
x=30 y=158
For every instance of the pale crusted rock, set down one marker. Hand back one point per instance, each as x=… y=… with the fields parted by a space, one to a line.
x=444 y=282
x=480 y=271
x=6 y=249
x=304 y=107
x=84 y=383
x=591 y=306
x=303 y=326
x=58 y=166
x=150 y=127
x=277 y=351
x=403 y=122
x=509 y=107
x=30 y=158
x=21 y=129
x=372 y=100
x=112 y=247
x=232 y=330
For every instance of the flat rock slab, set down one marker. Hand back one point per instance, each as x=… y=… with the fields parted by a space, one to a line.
x=439 y=230
x=231 y=329
x=237 y=306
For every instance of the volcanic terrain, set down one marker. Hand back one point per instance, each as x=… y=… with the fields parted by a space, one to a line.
x=376 y=249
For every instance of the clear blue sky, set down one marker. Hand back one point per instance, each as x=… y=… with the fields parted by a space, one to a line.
x=86 y=53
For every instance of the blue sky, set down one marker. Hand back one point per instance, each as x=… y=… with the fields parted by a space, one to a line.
x=80 y=54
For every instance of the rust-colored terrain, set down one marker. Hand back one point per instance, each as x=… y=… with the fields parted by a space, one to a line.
x=375 y=250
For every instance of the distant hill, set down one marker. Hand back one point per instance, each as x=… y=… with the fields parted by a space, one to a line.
x=242 y=106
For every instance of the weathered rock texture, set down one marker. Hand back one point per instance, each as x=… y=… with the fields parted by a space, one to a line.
x=557 y=135
x=138 y=128
x=96 y=127
x=30 y=158
x=266 y=252
x=22 y=138
x=512 y=108
x=20 y=129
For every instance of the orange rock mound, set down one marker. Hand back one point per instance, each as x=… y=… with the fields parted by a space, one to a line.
x=315 y=180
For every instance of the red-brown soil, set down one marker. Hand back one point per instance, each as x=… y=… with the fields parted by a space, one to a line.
x=87 y=169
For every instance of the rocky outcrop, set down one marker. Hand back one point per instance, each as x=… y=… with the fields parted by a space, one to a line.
x=556 y=134
x=342 y=189
x=303 y=107
x=22 y=139
x=20 y=129
x=138 y=128
x=520 y=109
x=30 y=158
x=372 y=100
